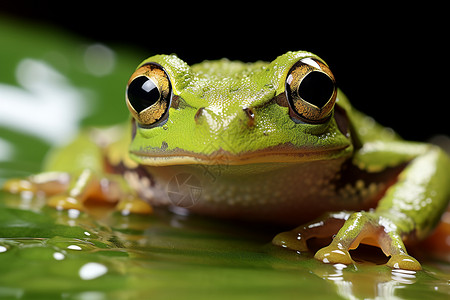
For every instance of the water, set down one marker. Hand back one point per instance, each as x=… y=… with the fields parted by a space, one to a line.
x=50 y=254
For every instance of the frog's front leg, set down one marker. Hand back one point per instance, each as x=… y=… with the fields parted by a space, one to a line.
x=86 y=175
x=349 y=230
x=408 y=210
x=83 y=186
x=371 y=229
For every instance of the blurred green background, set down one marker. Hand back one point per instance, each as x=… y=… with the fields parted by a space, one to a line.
x=50 y=84
x=63 y=69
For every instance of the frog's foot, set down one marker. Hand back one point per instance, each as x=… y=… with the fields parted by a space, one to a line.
x=361 y=227
x=54 y=185
x=71 y=192
x=47 y=184
x=65 y=202
x=133 y=205
x=372 y=229
x=326 y=226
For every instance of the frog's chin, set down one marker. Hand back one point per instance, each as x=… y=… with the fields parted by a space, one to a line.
x=277 y=154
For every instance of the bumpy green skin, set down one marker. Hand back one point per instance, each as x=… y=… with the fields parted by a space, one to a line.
x=421 y=194
x=224 y=88
x=211 y=117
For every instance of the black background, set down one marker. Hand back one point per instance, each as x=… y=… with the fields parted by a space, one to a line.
x=390 y=61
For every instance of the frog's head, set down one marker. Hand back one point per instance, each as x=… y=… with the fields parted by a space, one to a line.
x=234 y=113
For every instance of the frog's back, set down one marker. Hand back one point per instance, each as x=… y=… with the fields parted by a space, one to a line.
x=225 y=68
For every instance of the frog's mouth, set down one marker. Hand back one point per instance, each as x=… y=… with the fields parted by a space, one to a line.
x=282 y=153
x=287 y=153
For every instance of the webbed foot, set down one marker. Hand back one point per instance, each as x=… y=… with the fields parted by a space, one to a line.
x=361 y=227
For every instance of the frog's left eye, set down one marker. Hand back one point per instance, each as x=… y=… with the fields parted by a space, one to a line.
x=149 y=93
x=311 y=90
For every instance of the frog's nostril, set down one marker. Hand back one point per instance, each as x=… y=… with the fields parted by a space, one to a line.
x=198 y=114
x=250 y=113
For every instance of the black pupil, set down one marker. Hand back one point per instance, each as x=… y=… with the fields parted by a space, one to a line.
x=142 y=93
x=316 y=88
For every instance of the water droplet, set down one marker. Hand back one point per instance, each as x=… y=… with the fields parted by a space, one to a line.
x=58 y=256
x=74 y=247
x=92 y=270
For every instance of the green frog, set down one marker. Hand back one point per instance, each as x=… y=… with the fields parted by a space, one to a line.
x=265 y=142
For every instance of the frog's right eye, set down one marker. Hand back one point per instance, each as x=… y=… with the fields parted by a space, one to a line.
x=149 y=93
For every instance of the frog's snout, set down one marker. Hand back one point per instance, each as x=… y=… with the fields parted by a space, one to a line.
x=244 y=115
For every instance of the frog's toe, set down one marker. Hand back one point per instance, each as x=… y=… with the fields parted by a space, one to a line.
x=17 y=186
x=47 y=183
x=133 y=205
x=290 y=240
x=404 y=261
x=63 y=202
x=334 y=255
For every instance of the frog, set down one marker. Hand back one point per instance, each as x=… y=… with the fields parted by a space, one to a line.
x=266 y=142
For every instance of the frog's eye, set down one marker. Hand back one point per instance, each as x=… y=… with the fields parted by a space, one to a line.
x=149 y=93
x=311 y=90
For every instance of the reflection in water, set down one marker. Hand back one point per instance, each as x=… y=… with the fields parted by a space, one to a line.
x=400 y=278
x=404 y=276
x=381 y=283
x=344 y=288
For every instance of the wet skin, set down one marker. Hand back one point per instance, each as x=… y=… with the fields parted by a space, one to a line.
x=273 y=142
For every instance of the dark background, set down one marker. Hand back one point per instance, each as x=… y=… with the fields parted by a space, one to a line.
x=390 y=61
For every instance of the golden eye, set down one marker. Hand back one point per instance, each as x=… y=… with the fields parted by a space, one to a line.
x=311 y=90
x=149 y=93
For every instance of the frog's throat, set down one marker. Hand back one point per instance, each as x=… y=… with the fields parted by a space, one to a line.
x=277 y=154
